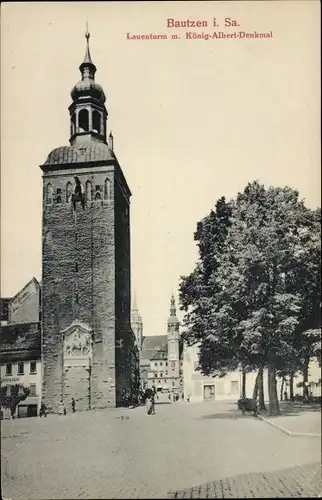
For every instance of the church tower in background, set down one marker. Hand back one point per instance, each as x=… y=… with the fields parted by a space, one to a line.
x=88 y=347
x=137 y=324
x=173 y=346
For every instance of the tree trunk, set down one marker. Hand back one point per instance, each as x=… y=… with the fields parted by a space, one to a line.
x=306 y=379
x=261 y=399
x=273 y=407
x=292 y=387
x=243 y=384
x=255 y=391
x=282 y=388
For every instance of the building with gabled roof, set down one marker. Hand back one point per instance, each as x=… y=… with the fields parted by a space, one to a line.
x=161 y=356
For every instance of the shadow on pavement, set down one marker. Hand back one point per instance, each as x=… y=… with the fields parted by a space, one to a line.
x=302 y=482
x=293 y=410
x=233 y=413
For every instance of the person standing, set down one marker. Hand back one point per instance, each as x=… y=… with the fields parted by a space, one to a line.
x=43 y=412
x=73 y=405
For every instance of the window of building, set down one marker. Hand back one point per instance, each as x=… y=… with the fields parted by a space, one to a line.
x=98 y=192
x=8 y=390
x=173 y=383
x=155 y=374
x=21 y=368
x=161 y=374
x=166 y=364
x=49 y=194
x=58 y=195
x=73 y=125
x=88 y=189
x=180 y=373
x=166 y=373
x=155 y=364
x=9 y=369
x=159 y=381
x=83 y=122
x=33 y=367
x=234 y=387
x=107 y=189
x=96 y=119
x=33 y=391
x=161 y=363
x=68 y=192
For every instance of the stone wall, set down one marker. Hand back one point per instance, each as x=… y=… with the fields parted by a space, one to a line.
x=79 y=282
x=126 y=353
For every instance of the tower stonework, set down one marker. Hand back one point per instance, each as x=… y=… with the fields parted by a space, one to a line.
x=88 y=347
x=173 y=346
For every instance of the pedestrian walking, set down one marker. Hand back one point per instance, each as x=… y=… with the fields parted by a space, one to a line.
x=73 y=405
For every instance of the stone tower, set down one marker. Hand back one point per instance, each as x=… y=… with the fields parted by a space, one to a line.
x=137 y=324
x=88 y=347
x=173 y=346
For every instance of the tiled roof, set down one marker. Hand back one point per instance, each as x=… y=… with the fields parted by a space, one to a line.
x=153 y=344
x=80 y=153
x=20 y=341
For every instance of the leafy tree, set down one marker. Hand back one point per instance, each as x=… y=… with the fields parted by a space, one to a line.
x=11 y=399
x=242 y=302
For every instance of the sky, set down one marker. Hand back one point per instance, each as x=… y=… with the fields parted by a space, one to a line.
x=193 y=120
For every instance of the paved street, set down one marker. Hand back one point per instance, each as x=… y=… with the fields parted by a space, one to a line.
x=204 y=450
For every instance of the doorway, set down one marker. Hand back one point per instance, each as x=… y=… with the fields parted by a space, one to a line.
x=208 y=392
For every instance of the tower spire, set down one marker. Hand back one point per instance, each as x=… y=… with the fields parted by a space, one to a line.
x=134 y=307
x=87 y=68
x=173 y=310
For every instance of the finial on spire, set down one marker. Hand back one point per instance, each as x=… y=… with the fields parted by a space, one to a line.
x=87 y=63
x=87 y=33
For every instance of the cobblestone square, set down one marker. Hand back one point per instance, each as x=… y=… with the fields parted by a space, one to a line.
x=205 y=450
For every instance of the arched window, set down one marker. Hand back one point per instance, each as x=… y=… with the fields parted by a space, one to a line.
x=58 y=195
x=83 y=122
x=73 y=125
x=96 y=120
x=98 y=192
x=49 y=194
x=88 y=190
x=107 y=190
x=68 y=192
